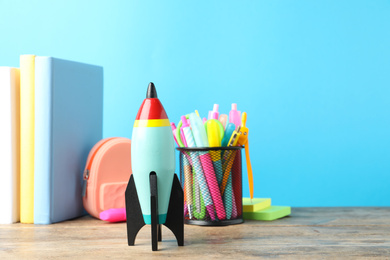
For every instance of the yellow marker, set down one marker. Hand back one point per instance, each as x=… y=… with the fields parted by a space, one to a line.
x=243 y=140
x=213 y=130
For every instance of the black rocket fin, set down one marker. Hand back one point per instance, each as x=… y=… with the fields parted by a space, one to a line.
x=134 y=219
x=154 y=209
x=175 y=215
x=159 y=233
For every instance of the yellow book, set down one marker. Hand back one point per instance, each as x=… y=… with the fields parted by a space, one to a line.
x=27 y=82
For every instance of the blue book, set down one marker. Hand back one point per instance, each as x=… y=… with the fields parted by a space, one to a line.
x=68 y=122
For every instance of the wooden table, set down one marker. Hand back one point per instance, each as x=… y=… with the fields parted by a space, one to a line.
x=308 y=233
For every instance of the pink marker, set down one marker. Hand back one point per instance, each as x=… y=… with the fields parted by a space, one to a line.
x=212 y=183
x=234 y=116
x=174 y=132
x=183 y=139
x=204 y=120
x=113 y=215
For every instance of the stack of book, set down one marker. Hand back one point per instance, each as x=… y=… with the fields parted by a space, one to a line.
x=52 y=114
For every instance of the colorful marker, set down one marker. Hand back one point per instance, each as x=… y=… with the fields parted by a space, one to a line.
x=201 y=140
x=188 y=184
x=200 y=176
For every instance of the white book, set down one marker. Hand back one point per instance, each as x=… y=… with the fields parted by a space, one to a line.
x=9 y=145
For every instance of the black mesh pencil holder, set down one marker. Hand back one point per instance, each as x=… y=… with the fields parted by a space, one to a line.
x=212 y=182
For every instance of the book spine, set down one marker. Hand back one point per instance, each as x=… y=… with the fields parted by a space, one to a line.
x=9 y=150
x=27 y=75
x=43 y=140
x=15 y=126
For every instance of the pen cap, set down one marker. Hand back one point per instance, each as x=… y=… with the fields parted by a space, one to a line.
x=234 y=116
x=185 y=121
x=214 y=115
x=198 y=131
x=173 y=126
x=174 y=132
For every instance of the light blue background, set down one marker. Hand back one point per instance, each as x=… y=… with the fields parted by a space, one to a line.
x=313 y=76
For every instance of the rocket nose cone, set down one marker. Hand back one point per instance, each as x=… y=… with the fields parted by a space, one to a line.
x=151 y=93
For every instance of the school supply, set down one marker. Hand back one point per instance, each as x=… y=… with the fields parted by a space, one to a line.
x=228 y=134
x=223 y=118
x=234 y=116
x=10 y=145
x=226 y=213
x=251 y=205
x=113 y=215
x=187 y=167
x=228 y=158
x=173 y=131
x=106 y=173
x=217 y=166
x=199 y=173
x=27 y=92
x=269 y=214
x=68 y=122
x=243 y=141
x=201 y=140
x=214 y=114
x=215 y=134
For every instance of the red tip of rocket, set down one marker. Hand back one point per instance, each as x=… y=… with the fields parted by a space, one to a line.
x=151 y=108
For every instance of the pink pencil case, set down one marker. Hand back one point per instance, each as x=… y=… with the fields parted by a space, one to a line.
x=106 y=175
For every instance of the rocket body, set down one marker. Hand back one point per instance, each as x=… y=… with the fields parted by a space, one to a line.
x=153 y=149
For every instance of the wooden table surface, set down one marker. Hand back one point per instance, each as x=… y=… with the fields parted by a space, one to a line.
x=309 y=233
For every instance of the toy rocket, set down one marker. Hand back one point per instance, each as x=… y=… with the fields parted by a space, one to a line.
x=154 y=195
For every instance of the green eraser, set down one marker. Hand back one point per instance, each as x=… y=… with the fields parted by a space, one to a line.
x=255 y=204
x=272 y=213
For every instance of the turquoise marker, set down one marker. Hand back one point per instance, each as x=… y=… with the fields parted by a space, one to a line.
x=197 y=167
